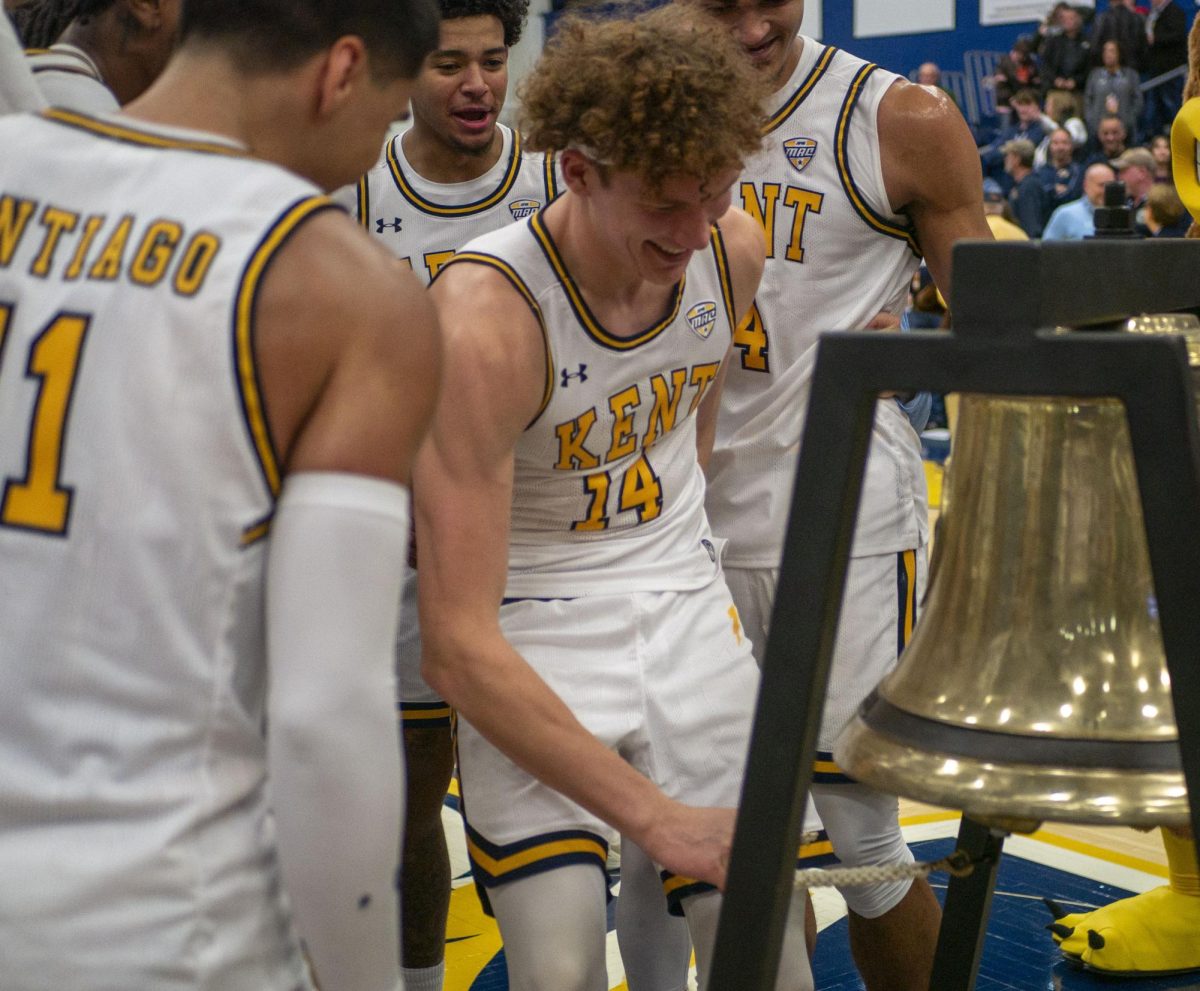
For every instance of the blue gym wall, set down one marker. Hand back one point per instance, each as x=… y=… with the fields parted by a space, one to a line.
x=903 y=53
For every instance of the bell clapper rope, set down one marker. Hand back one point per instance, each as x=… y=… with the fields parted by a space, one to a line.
x=958 y=863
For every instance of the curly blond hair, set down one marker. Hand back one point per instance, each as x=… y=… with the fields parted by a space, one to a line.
x=665 y=92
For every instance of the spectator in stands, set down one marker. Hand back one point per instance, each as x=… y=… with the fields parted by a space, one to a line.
x=999 y=215
x=1165 y=212
x=1113 y=88
x=1160 y=148
x=1061 y=176
x=1135 y=168
x=1111 y=139
x=1058 y=111
x=1166 y=50
x=1124 y=25
x=1027 y=126
x=1076 y=220
x=1065 y=56
x=1015 y=71
x=1029 y=200
x=930 y=74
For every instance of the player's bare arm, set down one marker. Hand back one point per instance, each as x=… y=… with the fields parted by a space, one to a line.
x=931 y=172
x=746 y=250
x=495 y=378
x=349 y=377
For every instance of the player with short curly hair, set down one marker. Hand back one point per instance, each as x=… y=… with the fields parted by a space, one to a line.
x=634 y=103
x=572 y=603
x=510 y=13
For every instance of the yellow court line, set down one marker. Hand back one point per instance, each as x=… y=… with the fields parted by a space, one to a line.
x=1101 y=853
x=929 y=817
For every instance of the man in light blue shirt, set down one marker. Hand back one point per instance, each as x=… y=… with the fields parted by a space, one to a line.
x=1076 y=220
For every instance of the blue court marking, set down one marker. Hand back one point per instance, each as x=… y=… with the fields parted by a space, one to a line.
x=1018 y=954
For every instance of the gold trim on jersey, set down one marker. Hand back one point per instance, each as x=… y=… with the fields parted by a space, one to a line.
x=806 y=87
x=258 y=530
x=119 y=132
x=466 y=209
x=249 y=390
x=842 y=155
x=364 y=204
x=721 y=257
x=583 y=313
x=501 y=266
x=549 y=177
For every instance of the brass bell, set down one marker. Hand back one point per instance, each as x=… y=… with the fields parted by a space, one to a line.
x=1035 y=686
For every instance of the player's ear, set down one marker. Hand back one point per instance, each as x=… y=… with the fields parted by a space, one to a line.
x=147 y=13
x=344 y=68
x=580 y=173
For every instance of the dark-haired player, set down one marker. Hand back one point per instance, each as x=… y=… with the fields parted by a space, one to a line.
x=207 y=421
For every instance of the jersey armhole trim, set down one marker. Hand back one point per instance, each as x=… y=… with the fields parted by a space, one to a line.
x=515 y=280
x=721 y=257
x=842 y=153
x=245 y=302
x=364 y=204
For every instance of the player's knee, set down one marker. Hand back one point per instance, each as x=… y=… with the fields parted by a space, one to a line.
x=870 y=901
x=568 y=968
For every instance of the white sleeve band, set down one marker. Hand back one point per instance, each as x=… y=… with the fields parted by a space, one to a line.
x=335 y=562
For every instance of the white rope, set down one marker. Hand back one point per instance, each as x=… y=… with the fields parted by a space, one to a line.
x=957 y=864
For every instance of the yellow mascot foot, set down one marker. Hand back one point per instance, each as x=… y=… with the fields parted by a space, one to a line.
x=1157 y=932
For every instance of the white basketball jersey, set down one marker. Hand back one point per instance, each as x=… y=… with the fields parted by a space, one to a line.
x=425 y=222
x=836 y=257
x=138 y=474
x=608 y=496
x=69 y=79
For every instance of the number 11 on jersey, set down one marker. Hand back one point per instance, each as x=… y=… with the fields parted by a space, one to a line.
x=38 y=501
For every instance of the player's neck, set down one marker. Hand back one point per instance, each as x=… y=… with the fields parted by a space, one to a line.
x=266 y=115
x=435 y=160
x=614 y=289
x=795 y=50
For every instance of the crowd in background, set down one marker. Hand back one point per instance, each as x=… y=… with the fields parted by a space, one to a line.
x=1087 y=99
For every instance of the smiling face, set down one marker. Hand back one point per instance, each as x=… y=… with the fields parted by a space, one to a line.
x=766 y=30
x=650 y=233
x=458 y=96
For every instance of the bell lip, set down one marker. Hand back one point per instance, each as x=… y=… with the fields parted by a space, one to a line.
x=1047 y=750
x=988 y=790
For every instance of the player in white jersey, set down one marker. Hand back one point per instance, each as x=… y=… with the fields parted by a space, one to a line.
x=91 y=56
x=454 y=174
x=207 y=418
x=18 y=91
x=613 y=683
x=862 y=173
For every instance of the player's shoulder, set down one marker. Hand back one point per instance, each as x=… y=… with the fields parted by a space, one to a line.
x=910 y=109
x=742 y=236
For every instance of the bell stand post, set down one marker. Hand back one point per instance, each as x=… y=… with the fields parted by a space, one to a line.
x=1006 y=297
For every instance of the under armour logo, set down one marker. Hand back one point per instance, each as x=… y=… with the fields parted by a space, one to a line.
x=567 y=376
x=396 y=225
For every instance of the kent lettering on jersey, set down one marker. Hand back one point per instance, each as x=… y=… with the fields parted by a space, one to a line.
x=624 y=405
x=73 y=244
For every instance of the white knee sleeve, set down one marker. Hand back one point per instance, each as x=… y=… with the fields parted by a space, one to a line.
x=554 y=927
x=655 y=945
x=794 y=974
x=864 y=827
